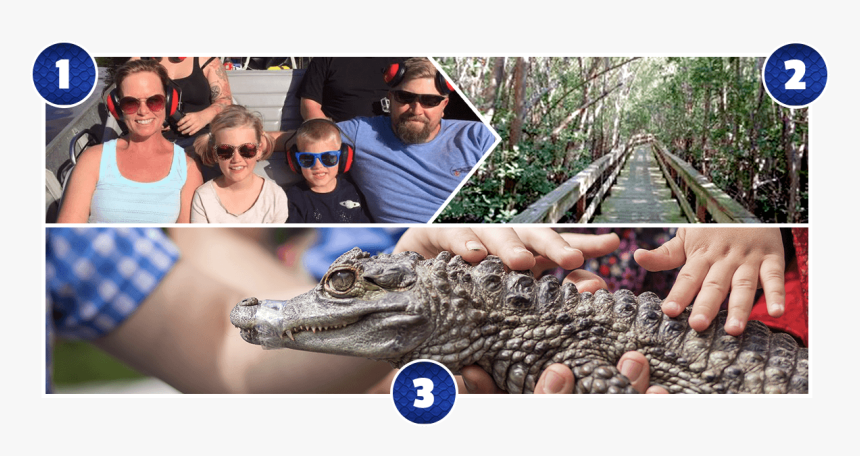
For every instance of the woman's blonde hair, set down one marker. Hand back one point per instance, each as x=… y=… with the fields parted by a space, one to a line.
x=235 y=116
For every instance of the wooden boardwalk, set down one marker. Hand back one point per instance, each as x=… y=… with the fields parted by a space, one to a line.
x=641 y=194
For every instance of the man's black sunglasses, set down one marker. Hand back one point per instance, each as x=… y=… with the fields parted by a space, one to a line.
x=404 y=97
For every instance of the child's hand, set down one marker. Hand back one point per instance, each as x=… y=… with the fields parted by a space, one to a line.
x=716 y=260
x=537 y=249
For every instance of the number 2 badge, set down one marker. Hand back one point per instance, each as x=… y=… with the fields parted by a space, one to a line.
x=424 y=391
x=794 y=75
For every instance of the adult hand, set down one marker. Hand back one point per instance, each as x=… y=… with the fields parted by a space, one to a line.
x=519 y=249
x=192 y=122
x=716 y=260
x=558 y=378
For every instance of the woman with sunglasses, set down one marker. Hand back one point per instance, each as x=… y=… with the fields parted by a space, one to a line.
x=140 y=177
x=205 y=91
x=236 y=143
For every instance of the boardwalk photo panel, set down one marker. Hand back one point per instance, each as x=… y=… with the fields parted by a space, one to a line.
x=631 y=140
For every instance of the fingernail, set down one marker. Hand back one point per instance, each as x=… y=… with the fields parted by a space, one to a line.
x=474 y=246
x=778 y=308
x=521 y=250
x=572 y=249
x=734 y=326
x=671 y=307
x=469 y=385
x=697 y=320
x=553 y=383
x=631 y=369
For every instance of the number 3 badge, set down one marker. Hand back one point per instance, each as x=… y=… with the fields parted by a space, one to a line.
x=64 y=75
x=424 y=391
x=794 y=75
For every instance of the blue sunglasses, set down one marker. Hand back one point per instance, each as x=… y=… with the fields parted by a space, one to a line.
x=327 y=159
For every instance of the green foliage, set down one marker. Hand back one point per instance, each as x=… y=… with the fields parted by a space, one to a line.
x=79 y=362
x=739 y=140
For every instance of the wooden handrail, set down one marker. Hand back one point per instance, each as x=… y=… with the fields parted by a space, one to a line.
x=552 y=207
x=685 y=180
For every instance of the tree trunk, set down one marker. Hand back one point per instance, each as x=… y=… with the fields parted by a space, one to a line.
x=493 y=91
x=792 y=157
x=705 y=125
x=520 y=73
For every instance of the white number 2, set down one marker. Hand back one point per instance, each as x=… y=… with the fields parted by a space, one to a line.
x=63 y=65
x=795 y=82
x=424 y=393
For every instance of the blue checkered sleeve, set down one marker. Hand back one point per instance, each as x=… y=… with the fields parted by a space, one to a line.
x=97 y=277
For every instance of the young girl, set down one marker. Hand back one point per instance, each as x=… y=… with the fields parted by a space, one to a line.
x=237 y=143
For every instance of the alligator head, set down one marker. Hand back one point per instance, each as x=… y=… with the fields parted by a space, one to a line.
x=364 y=306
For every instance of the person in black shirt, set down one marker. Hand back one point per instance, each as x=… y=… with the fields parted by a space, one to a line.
x=341 y=88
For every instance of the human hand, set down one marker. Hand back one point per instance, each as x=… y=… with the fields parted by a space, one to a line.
x=559 y=379
x=519 y=249
x=716 y=260
x=192 y=122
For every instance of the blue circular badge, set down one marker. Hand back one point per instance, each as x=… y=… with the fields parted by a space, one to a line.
x=794 y=75
x=64 y=75
x=424 y=391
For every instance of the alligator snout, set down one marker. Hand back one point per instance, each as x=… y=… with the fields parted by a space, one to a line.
x=244 y=315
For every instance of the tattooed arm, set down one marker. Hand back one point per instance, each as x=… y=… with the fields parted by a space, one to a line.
x=221 y=97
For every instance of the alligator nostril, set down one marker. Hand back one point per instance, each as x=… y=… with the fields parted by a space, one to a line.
x=249 y=302
x=244 y=315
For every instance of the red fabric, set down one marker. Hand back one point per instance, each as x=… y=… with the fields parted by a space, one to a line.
x=795 y=320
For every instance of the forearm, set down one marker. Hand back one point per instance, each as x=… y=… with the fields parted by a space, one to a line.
x=182 y=332
x=216 y=107
x=311 y=109
x=281 y=139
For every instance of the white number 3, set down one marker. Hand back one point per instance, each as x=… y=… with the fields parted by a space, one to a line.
x=424 y=393
x=795 y=82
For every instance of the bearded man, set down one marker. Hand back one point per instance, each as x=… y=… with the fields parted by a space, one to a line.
x=408 y=164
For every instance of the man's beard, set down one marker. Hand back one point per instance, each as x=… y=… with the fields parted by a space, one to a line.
x=409 y=132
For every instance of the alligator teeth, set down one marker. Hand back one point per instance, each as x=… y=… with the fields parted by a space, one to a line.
x=314 y=329
x=290 y=333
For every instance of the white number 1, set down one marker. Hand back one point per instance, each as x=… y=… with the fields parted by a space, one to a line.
x=424 y=393
x=795 y=82
x=63 y=65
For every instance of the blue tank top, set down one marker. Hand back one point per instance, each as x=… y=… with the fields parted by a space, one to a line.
x=121 y=200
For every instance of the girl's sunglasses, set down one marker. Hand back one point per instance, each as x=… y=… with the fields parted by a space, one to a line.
x=327 y=159
x=130 y=105
x=225 y=151
x=430 y=101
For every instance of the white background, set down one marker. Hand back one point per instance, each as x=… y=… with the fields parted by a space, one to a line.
x=243 y=425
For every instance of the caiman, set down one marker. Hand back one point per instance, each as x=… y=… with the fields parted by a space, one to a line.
x=403 y=307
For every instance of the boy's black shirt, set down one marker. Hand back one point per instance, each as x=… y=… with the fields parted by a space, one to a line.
x=344 y=204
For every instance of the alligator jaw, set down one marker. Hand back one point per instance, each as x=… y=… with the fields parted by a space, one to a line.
x=341 y=329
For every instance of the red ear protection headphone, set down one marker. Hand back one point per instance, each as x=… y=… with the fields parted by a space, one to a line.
x=347 y=152
x=171 y=102
x=393 y=76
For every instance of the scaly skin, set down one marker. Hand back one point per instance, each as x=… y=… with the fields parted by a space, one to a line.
x=402 y=307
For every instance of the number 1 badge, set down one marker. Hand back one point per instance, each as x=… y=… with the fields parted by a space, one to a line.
x=64 y=75
x=424 y=391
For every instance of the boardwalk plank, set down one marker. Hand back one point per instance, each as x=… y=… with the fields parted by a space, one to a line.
x=641 y=194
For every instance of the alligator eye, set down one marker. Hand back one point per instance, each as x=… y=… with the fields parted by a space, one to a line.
x=341 y=280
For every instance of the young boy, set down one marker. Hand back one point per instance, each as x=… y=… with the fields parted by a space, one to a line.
x=323 y=198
